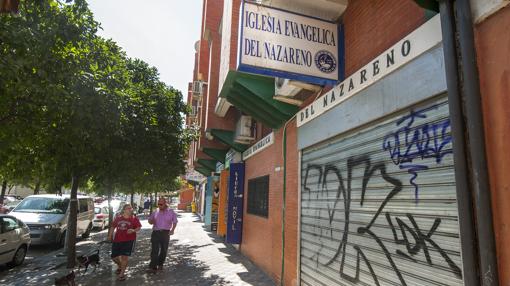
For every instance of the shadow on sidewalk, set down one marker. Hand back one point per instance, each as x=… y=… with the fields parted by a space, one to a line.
x=181 y=268
x=234 y=256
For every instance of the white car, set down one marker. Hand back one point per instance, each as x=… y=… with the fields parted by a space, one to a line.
x=115 y=204
x=14 y=240
x=101 y=217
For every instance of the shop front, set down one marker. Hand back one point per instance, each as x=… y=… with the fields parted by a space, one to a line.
x=378 y=197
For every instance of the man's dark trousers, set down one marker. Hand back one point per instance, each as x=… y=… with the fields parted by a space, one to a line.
x=159 y=241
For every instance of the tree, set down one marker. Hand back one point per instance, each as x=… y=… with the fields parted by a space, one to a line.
x=76 y=110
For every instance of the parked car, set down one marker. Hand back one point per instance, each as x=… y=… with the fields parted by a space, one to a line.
x=14 y=240
x=101 y=217
x=46 y=216
x=9 y=203
x=9 y=206
x=116 y=206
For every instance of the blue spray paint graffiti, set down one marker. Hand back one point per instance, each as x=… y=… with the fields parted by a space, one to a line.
x=412 y=141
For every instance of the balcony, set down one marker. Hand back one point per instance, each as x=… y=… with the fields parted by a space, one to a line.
x=197 y=89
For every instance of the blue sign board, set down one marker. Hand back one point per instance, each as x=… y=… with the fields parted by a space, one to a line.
x=235 y=203
x=208 y=201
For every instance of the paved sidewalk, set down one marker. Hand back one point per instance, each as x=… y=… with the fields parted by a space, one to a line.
x=196 y=257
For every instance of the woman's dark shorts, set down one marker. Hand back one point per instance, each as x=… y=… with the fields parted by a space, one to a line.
x=124 y=248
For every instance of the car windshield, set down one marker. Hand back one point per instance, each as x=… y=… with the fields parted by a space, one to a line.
x=97 y=210
x=43 y=205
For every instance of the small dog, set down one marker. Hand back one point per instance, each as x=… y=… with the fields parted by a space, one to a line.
x=67 y=280
x=85 y=261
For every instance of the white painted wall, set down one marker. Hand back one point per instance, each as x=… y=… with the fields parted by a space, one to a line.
x=481 y=9
x=226 y=26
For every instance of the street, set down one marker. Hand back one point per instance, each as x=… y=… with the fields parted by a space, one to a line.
x=196 y=257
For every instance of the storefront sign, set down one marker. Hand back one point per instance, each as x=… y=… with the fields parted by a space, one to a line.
x=219 y=167
x=418 y=42
x=235 y=203
x=194 y=176
x=232 y=156
x=284 y=44
x=259 y=146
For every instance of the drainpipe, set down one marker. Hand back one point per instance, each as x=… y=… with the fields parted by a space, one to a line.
x=284 y=196
x=473 y=190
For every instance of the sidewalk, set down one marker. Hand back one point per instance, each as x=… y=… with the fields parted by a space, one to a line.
x=196 y=257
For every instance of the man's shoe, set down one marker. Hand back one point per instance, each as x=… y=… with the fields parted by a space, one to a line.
x=151 y=271
x=160 y=267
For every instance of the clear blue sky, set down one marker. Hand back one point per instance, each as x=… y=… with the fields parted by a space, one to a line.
x=160 y=32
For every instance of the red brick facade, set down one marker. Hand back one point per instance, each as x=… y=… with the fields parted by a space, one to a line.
x=371 y=26
x=262 y=237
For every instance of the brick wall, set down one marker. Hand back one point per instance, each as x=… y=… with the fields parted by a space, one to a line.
x=372 y=26
x=262 y=237
x=492 y=45
x=186 y=196
x=236 y=9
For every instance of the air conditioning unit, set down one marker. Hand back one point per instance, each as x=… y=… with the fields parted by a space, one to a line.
x=285 y=87
x=196 y=88
x=244 y=132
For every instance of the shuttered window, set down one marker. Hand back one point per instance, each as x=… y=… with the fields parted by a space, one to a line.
x=258 y=196
x=379 y=205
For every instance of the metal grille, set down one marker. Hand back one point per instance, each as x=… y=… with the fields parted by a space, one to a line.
x=258 y=196
x=378 y=205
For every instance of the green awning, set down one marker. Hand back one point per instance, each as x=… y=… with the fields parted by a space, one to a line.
x=208 y=164
x=217 y=154
x=203 y=171
x=227 y=137
x=430 y=5
x=253 y=95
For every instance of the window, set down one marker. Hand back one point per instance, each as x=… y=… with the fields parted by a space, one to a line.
x=258 y=196
x=43 y=205
x=84 y=206
x=9 y=224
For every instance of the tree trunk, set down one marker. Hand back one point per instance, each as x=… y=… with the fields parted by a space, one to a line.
x=72 y=223
x=110 y=209
x=2 y=195
x=132 y=197
x=37 y=188
x=150 y=207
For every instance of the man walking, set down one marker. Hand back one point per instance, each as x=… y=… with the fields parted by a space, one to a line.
x=164 y=221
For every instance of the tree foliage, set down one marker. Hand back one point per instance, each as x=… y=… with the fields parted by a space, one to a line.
x=75 y=109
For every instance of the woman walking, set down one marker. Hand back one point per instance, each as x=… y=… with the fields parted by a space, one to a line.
x=125 y=226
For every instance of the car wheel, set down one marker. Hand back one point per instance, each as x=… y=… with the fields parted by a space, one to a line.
x=103 y=226
x=19 y=256
x=86 y=234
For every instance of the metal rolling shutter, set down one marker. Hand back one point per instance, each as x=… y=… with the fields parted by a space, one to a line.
x=378 y=205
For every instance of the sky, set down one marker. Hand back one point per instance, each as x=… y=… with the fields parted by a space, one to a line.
x=159 y=32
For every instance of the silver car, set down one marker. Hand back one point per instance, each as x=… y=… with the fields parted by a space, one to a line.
x=14 y=240
x=46 y=216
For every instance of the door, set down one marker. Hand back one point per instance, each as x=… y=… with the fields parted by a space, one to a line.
x=378 y=204
x=9 y=238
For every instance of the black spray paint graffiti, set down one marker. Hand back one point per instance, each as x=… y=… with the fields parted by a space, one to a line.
x=413 y=141
x=413 y=238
